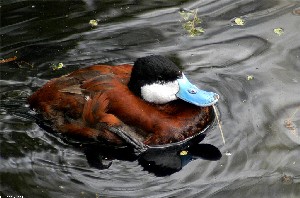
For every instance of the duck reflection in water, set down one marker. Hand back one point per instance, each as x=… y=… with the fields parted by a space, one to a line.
x=148 y=112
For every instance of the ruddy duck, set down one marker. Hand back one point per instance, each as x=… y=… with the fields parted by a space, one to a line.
x=151 y=102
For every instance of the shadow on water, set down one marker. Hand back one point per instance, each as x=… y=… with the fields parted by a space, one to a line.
x=162 y=161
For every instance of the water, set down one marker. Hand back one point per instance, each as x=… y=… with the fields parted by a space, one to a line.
x=260 y=116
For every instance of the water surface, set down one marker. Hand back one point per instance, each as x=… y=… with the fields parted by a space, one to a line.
x=260 y=116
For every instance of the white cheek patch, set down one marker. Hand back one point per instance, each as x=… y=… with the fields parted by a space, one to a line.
x=160 y=93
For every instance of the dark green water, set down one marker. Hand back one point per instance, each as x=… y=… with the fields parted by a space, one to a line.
x=261 y=154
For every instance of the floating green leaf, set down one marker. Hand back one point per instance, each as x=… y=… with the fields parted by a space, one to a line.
x=239 y=21
x=191 y=22
x=93 y=23
x=278 y=31
x=58 y=66
x=183 y=152
x=250 y=77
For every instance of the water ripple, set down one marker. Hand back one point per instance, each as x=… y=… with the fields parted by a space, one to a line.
x=259 y=115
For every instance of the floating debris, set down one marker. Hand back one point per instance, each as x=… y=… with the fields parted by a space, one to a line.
x=8 y=60
x=278 y=31
x=183 y=153
x=21 y=64
x=58 y=66
x=24 y=64
x=296 y=11
x=219 y=123
x=250 y=77
x=93 y=23
x=286 y=179
x=289 y=124
x=191 y=22
x=239 y=21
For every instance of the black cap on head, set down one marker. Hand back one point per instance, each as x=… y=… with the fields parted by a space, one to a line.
x=151 y=69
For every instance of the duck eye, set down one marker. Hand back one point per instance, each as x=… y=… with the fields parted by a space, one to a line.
x=192 y=91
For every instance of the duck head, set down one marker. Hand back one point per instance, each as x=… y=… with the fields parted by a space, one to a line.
x=158 y=80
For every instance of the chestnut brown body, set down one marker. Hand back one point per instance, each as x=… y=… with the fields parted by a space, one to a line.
x=90 y=101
